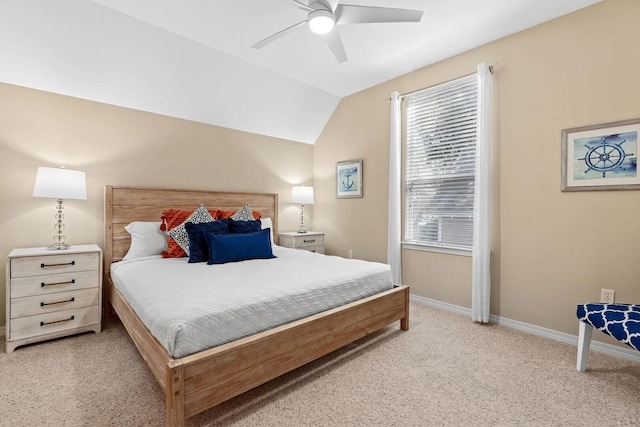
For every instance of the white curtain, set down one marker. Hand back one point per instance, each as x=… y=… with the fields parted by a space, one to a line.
x=481 y=284
x=393 y=246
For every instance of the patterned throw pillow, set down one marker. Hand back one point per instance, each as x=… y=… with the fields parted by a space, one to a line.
x=228 y=214
x=243 y=214
x=178 y=245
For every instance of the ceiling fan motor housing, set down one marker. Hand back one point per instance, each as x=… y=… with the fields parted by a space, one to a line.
x=321 y=20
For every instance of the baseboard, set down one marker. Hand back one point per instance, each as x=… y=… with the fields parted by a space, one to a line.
x=609 y=349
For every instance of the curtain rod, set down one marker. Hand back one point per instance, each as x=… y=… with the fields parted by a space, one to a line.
x=404 y=95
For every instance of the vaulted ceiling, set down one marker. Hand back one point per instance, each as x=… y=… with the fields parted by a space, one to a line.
x=193 y=59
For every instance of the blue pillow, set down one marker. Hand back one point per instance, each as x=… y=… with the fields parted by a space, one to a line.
x=198 y=248
x=225 y=248
x=244 y=226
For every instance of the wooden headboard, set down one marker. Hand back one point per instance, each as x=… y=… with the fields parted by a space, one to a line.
x=123 y=205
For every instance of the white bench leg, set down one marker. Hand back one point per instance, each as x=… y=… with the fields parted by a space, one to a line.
x=584 y=340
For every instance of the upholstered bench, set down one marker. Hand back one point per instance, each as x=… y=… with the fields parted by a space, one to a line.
x=621 y=321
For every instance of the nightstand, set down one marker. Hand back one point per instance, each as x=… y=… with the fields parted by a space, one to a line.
x=52 y=294
x=310 y=241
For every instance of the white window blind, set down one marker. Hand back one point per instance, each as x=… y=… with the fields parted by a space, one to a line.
x=440 y=161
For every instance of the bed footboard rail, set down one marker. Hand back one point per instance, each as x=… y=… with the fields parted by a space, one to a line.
x=199 y=382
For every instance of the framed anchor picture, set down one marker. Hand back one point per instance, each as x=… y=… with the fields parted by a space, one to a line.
x=349 y=179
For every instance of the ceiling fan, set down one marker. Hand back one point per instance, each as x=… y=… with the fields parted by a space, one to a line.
x=322 y=19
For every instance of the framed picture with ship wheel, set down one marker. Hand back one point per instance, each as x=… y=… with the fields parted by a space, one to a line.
x=601 y=157
x=349 y=179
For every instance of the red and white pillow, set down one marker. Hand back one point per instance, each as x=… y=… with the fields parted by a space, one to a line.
x=178 y=240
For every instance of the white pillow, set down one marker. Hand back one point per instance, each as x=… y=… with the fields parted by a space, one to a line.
x=266 y=223
x=146 y=239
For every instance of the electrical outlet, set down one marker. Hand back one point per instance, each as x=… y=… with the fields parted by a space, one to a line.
x=350 y=253
x=607 y=296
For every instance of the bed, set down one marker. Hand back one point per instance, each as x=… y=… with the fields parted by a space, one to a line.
x=199 y=381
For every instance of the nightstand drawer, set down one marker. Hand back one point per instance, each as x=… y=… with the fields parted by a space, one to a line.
x=53 y=264
x=305 y=242
x=40 y=304
x=38 y=285
x=319 y=249
x=48 y=323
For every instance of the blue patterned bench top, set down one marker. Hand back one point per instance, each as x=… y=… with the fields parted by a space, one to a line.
x=621 y=321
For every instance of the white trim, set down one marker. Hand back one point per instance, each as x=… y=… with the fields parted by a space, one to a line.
x=608 y=349
x=440 y=249
x=445 y=306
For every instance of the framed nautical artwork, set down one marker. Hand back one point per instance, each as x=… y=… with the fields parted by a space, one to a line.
x=601 y=157
x=349 y=179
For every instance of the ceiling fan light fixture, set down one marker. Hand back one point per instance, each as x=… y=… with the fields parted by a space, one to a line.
x=321 y=21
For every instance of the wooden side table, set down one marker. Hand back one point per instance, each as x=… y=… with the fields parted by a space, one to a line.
x=52 y=294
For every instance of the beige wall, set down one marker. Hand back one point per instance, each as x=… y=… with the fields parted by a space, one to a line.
x=550 y=250
x=120 y=146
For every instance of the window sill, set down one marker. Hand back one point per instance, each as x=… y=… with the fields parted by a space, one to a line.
x=438 y=249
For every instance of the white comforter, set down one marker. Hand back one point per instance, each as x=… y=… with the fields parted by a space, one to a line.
x=192 y=307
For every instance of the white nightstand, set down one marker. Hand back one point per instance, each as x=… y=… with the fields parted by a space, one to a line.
x=310 y=241
x=52 y=294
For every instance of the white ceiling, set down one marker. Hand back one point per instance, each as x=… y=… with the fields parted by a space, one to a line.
x=192 y=58
x=377 y=52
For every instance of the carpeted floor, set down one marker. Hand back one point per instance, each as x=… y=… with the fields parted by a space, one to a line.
x=445 y=371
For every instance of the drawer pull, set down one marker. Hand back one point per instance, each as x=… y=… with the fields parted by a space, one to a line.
x=42 y=304
x=309 y=241
x=57 y=321
x=43 y=265
x=70 y=282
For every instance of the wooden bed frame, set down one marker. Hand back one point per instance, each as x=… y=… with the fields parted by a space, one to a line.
x=200 y=381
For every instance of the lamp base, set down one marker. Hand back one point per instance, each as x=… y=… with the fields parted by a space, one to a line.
x=302 y=230
x=58 y=247
x=58 y=239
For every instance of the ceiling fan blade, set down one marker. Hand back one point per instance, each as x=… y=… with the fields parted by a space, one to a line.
x=277 y=35
x=335 y=44
x=303 y=6
x=351 y=14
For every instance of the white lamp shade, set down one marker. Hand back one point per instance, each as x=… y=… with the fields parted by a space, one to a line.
x=321 y=21
x=302 y=195
x=60 y=183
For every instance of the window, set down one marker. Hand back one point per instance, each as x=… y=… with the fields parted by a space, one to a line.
x=440 y=135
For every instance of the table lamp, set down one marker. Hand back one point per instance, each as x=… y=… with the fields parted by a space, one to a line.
x=304 y=196
x=61 y=184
